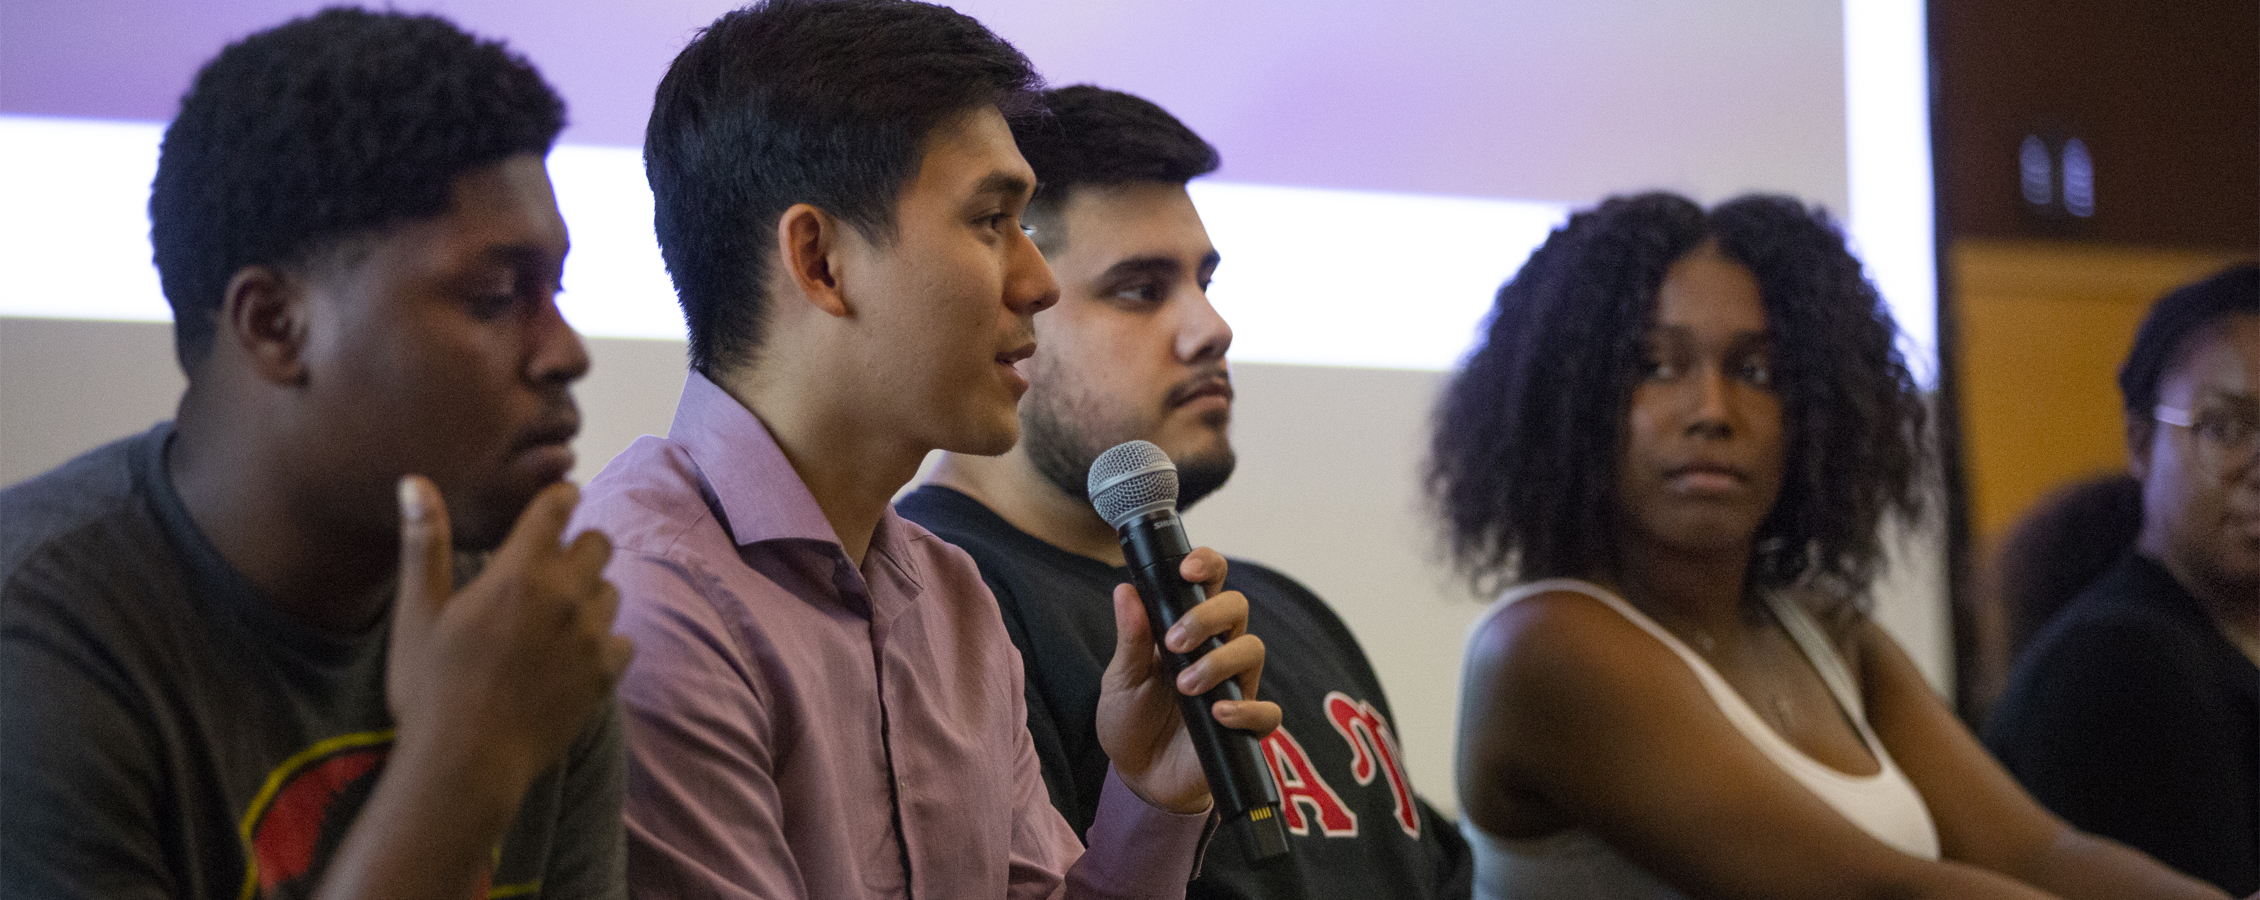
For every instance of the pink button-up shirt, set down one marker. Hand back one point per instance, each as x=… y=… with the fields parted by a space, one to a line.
x=800 y=728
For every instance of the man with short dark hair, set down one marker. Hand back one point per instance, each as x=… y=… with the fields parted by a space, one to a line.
x=824 y=702
x=2135 y=713
x=1134 y=351
x=238 y=659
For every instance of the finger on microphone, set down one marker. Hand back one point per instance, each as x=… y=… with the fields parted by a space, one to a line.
x=1204 y=567
x=1241 y=655
x=427 y=573
x=1223 y=615
x=1257 y=716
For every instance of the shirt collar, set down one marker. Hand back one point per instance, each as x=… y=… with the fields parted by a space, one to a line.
x=760 y=495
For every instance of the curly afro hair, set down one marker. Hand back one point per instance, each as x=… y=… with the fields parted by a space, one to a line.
x=321 y=130
x=1527 y=435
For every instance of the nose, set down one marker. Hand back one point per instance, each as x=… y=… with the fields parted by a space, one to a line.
x=1203 y=336
x=1712 y=395
x=1029 y=286
x=556 y=354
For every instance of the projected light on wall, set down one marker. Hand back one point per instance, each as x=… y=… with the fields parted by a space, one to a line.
x=1311 y=276
x=1887 y=167
x=1316 y=277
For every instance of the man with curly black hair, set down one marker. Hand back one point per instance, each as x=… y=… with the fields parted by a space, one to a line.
x=244 y=652
x=1134 y=351
x=824 y=701
x=1681 y=434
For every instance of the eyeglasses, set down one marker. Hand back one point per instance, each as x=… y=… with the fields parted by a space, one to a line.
x=2226 y=441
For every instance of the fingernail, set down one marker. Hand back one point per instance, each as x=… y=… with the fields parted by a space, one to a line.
x=1186 y=682
x=411 y=503
x=1177 y=639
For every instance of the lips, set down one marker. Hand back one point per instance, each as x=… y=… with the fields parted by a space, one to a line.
x=1706 y=467
x=1706 y=477
x=558 y=428
x=1010 y=361
x=548 y=446
x=1017 y=354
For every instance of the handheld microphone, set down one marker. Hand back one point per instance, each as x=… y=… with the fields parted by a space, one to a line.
x=1134 y=488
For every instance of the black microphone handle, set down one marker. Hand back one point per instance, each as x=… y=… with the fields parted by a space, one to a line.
x=1232 y=759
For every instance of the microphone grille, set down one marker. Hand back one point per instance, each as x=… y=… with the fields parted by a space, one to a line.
x=1131 y=479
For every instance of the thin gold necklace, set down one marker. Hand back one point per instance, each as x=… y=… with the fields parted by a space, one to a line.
x=1776 y=707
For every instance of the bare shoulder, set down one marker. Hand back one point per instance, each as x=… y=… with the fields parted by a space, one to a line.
x=1550 y=680
x=1558 y=638
x=1555 y=674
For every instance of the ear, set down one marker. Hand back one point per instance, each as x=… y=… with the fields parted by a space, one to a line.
x=2139 y=435
x=809 y=241
x=263 y=311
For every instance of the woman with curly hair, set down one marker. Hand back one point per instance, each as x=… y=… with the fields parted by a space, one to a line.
x=1679 y=439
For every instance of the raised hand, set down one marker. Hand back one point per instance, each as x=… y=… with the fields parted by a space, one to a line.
x=487 y=686
x=508 y=670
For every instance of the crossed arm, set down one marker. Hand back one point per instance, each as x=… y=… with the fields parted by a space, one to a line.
x=1574 y=717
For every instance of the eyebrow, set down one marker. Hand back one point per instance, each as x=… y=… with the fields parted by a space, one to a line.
x=519 y=254
x=1003 y=184
x=526 y=256
x=2240 y=399
x=1149 y=266
x=1753 y=340
x=1163 y=266
x=1742 y=340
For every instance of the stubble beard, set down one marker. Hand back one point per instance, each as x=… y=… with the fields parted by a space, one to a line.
x=1064 y=437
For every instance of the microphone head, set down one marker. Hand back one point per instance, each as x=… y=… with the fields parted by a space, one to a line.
x=1130 y=480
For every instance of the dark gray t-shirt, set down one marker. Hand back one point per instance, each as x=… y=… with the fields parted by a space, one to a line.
x=1358 y=830
x=165 y=731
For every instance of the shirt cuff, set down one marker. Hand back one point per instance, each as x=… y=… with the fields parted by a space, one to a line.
x=1141 y=848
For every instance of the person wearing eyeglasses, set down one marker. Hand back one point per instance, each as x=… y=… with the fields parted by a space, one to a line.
x=2135 y=714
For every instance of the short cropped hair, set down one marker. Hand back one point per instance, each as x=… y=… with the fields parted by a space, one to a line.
x=321 y=130
x=1526 y=440
x=2159 y=342
x=825 y=102
x=1094 y=136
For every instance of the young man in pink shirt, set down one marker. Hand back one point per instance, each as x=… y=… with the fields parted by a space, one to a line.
x=824 y=701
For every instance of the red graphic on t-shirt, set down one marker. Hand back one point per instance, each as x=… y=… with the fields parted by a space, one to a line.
x=300 y=817
x=285 y=840
x=1373 y=749
x=1301 y=787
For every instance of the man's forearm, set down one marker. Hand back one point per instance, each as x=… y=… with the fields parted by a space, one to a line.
x=428 y=830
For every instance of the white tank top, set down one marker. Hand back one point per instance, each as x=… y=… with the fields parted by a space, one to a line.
x=1574 y=863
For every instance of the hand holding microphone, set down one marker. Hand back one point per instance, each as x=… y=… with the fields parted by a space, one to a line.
x=1134 y=488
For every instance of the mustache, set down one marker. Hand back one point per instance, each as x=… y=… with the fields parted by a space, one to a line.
x=1213 y=378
